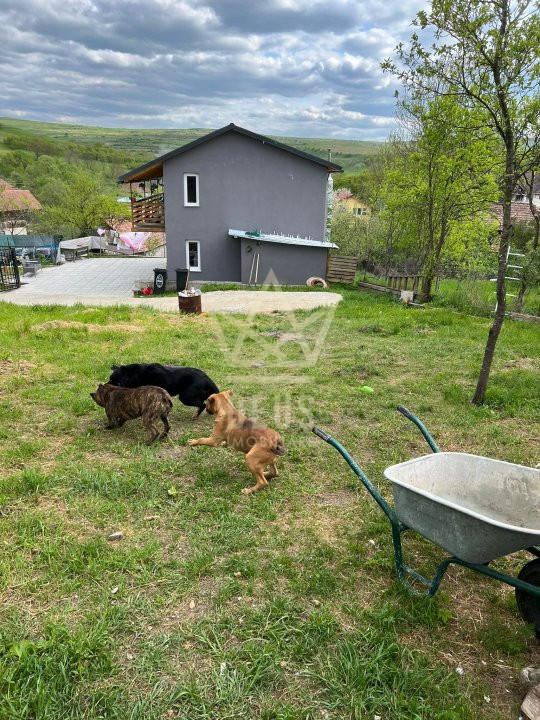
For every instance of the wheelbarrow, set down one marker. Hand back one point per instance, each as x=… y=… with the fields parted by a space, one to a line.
x=476 y=508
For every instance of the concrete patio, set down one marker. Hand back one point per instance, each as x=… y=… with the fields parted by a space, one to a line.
x=110 y=281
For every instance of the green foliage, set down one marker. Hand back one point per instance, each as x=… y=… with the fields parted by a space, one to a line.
x=84 y=207
x=486 y=60
x=360 y=184
x=440 y=185
x=39 y=677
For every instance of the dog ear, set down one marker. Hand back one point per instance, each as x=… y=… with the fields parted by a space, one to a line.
x=115 y=367
x=228 y=393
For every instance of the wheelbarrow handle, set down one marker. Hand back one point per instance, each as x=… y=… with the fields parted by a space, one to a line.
x=420 y=425
x=375 y=494
x=408 y=414
x=320 y=433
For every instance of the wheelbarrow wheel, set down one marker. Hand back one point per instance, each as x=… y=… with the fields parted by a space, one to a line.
x=529 y=605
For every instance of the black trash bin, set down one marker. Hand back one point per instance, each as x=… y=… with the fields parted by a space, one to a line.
x=181 y=279
x=160 y=280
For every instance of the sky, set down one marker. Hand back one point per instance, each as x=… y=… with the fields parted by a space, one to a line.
x=281 y=67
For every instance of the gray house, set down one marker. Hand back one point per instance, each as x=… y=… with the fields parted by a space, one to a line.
x=237 y=207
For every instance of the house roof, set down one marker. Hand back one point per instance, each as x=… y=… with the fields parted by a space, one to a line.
x=125 y=226
x=257 y=236
x=522 y=186
x=519 y=212
x=154 y=168
x=13 y=198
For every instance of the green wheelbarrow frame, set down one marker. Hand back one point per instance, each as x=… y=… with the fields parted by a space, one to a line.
x=404 y=571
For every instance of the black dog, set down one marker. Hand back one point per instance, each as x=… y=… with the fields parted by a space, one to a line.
x=191 y=385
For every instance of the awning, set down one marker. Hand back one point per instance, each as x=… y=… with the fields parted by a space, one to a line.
x=258 y=236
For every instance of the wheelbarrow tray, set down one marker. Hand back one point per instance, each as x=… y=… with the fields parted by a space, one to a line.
x=476 y=508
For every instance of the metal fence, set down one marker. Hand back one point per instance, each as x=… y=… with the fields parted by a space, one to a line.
x=9 y=270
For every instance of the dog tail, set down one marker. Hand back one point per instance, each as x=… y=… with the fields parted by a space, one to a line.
x=279 y=448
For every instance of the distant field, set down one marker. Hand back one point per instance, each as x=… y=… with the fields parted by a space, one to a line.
x=351 y=154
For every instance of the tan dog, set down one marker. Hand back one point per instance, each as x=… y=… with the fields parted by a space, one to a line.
x=260 y=444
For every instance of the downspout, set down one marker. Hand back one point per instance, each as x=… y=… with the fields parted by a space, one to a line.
x=328 y=208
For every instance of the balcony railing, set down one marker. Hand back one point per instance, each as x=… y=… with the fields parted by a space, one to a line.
x=148 y=213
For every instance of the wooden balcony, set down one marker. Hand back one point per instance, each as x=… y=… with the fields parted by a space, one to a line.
x=148 y=214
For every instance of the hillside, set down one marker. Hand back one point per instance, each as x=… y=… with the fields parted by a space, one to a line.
x=351 y=154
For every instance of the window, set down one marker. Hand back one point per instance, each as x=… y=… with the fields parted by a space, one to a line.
x=193 y=255
x=360 y=211
x=191 y=190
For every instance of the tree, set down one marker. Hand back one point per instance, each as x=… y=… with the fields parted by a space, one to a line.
x=443 y=177
x=84 y=208
x=349 y=232
x=485 y=54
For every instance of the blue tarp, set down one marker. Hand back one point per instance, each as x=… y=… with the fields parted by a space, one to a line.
x=29 y=241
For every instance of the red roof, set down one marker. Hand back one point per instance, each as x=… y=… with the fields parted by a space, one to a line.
x=344 y=195
x=126 y=227
x=519 y=212
x=12 y=198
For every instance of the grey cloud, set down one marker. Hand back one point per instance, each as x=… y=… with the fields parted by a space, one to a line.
x=301 y=67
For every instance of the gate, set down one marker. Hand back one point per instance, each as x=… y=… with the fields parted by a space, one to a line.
x=9 y=270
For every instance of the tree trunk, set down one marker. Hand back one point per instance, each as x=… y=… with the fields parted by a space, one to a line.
x=504 y=244
x=432 y=262
x=427 y=283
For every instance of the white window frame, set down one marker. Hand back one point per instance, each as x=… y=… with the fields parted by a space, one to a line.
x=198 y=268
x=186 y=203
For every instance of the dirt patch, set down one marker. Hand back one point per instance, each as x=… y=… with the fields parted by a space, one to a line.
x=311 y=519
x=173 y=453
x=58 y=510
x=88 y=327
x=19 y=367
x=104 y=457
x=335 y=499
x=522 y=364
x=195 y=605
x=284 y=337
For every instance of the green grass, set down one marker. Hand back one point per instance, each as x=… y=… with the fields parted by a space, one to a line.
x=283 y=605
x=472 y=295
x=351 y=154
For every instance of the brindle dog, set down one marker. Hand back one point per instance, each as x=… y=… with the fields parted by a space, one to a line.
x=148 y=402
x=260 y=444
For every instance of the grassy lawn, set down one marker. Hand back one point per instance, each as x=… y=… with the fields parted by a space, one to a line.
x=280 y=606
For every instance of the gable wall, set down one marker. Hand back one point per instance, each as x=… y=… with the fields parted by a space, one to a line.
x=243 y=184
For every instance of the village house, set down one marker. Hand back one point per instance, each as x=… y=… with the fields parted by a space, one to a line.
x=16 y=208
x=236 y=207
x=351 y=203
x=521 y=193
x=520 y=212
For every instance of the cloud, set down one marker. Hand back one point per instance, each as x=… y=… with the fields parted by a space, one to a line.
x=294 y=67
